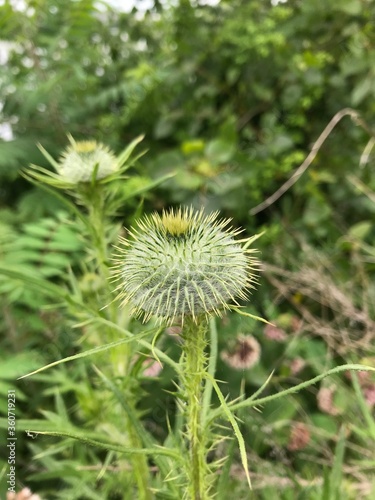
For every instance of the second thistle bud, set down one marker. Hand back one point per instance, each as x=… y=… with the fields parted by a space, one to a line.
x=183 y=263
x=80 y=160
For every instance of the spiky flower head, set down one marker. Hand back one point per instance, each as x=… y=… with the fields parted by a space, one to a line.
x=84 y=159
x=82 y=166
x=183 y=264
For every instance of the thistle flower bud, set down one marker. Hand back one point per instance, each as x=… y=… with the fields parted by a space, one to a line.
x=80 y=160
x=183 y=263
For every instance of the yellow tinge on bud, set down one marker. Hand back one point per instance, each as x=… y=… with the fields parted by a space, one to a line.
x=83 y=159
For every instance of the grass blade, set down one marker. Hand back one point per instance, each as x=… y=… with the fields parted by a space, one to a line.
x=236 y=429
x=84 y=354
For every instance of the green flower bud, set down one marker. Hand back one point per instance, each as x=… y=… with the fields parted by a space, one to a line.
x=81 y=159
x=183 y=263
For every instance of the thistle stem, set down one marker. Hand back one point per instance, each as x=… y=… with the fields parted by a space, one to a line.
x=120 y=358
x=97 y=220
x=195 y=365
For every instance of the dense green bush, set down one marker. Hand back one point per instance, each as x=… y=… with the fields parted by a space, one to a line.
x=231 y=98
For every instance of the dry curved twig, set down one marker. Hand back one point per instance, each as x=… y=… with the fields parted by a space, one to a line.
x=311 y=156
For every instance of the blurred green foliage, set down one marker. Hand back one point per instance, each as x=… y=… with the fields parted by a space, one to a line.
x=231 y=97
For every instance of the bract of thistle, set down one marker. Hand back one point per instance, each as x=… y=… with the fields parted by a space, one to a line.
x=183 y=263
x=79 y=161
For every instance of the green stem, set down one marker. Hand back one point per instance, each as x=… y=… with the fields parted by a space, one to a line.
x=120 y=358
x=97 y=221
x=140 y=466
x=207 y=395
x=195 y=365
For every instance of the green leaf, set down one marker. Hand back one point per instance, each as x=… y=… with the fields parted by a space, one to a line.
x=29 y=242
x=36 y=283
x=37 y=230
x=146 y=438
x=12 y=367
x=220 y=151
x=335 y=480
x=224 y=484
x=160 y=354
x=124 y=156
x=207 y=394
x=243 y=313
x=46 y=154
x=55 y=259
x=351 y=7
x=364 y=407
x=228 y=412
x=89 y=352
x=147 y=187
x=360 y=230
x=362 y=90
x=37 y=428
x=250 y=402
